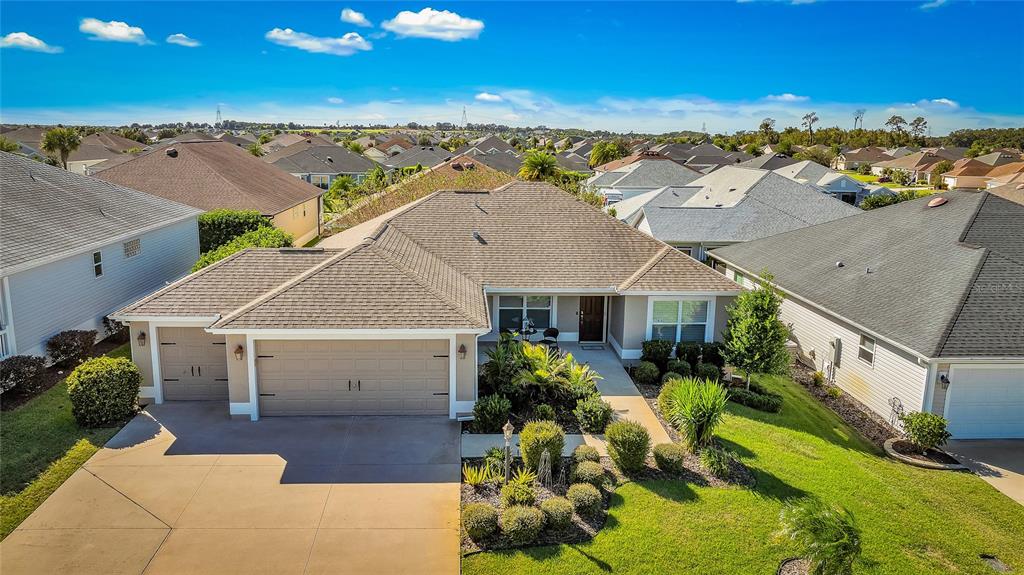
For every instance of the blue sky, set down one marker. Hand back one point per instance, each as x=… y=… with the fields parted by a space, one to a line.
x=651 y=67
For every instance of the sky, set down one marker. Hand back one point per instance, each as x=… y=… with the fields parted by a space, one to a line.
x=646 y=67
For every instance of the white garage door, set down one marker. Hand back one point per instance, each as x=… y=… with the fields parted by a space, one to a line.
x=986 y=402
x=350 y=377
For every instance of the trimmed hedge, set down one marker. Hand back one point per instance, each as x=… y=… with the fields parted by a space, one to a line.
x=585 y=498
x=490 y=413
x=218 y=227
x=756 y=398
x=670 y=457
x=694 y=353
x=265 y=237
x=480 y=520
x=680 y=366
x=656 y=351
x=585 y=453
x=518 y=493
x=71 y=347
x=558 y=512
x=537 y=437
x=708 y=371
x=522 y=524
x=628 y=443
x=588 y=472
x=24 y=372
x=104 y=390
x=593 y=413
x=646 y=373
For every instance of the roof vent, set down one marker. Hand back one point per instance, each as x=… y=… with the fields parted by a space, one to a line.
x=171 y=152
x=839 y=264
x=330 y=159
x=478 y=237
x=936 y=202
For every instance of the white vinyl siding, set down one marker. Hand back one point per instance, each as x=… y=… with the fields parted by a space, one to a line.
x=866 y=351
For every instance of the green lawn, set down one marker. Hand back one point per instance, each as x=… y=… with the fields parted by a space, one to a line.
x=40 y=447
x=913 y=520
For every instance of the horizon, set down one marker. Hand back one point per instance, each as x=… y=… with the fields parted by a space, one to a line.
x=581 y=66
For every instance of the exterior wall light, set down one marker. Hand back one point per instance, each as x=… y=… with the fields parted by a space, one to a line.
x=462 y=351
x=239 y=351
x=141 y=339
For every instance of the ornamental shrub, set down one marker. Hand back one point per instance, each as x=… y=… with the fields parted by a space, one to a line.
x=817 y=378
x=689 y=352
x=670 y=375
x=925 y=430
x=664 y=396
x=490 y=413
x=711 y=352
x=766 y=401
x=518 y=493
x=544 y=412
x=695 y=407
x=24 y=372
x=708 y=371
x=537 y=437
x=628 y=444
x=716 y=461
x=835 y=392
x=588 y=472
x=669 y=457
x=646 y=373
x=558 y=512
x=585 y=453
x=585 y=498
x=264 y=237
x=71 y=347
x=593 y=414
x=218 y=227
x=480 y=520
x=680 y=366
x=104 y=390
x=656 y=351
x=522 y=524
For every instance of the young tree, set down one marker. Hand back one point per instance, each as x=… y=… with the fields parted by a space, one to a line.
x=936 y=176
x=816 y=155
x=896 y=124
x=60 y=142
x=755 y=337
x=607 y=151
x=355 y=147
x=809 y=121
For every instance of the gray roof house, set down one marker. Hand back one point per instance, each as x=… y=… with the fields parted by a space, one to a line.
x=912 y=307
x=501 y=161
x=768 y=162
x=840 y=186
x=74 y=249
x=425 y=156
x=732 y=205
x=486 y=145
x=640 y=177
x=320 y=165
x=400 y=314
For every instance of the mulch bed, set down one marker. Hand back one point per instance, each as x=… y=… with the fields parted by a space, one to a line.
x=908 y=449
x=853 y=412
x=795 y=567
x=51 y=377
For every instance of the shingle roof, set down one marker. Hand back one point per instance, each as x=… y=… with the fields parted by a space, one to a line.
x=943 y=281
x=212 y=174
x=649 y=174
x=426 y=156
x=501 y=161
x=320 y=160
x=47 y=212
x=768 y=162
x=625 y=161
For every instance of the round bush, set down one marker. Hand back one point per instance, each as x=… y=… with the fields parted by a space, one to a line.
x=708 y=371
x=593 y=414
x=585 y=498
x=628 y=443
x=588 y=472
x=71 y=347
x=544 y=412
x=522 y=524
x=670 y=457
x=712 y=353
x=680 y=366
x=480 y=520
x=646 y=373
x=22 y=371
x=518 y=493
x=558 y=512
x=925 y=430
x=490 y=413
x=585 y=453
x=104 y=390
x=670 y=375
x=537 y=437
x=664 y=396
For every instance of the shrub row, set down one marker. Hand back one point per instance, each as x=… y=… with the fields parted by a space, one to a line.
x=762 y=400
x=218 y=227
x=263 y=237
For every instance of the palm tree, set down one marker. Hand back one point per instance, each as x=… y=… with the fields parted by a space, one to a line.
x=538 y=166
x=61 y=141
x=255 y=149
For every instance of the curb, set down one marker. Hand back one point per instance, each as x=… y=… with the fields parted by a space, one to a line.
x=916 y=462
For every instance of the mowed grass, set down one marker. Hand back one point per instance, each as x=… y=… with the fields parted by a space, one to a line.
x=41 y=445
x=912 y=520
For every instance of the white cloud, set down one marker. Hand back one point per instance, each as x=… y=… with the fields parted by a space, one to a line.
x=945 y=102
x=787 y=97
x=27 y=42
x=335 y=100
x=352 y=17
x=183 y=40
x=430 y=23
x=345 y=46
x=488 y=97
x=113 y=31
x=933 y=4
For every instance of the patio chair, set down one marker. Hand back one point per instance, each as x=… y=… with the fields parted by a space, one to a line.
x=550 y=337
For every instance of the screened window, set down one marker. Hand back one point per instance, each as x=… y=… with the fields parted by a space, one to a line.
x=867 y=349
x=132 y=248
x=519 y=312
x=97 y=263
x=679 y=320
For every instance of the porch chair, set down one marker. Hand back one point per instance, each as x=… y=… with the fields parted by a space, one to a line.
x=550 y=337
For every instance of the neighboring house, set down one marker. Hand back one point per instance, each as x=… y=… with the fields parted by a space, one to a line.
x=680 y=152
x=583 y=147
x=240 y=140
x=840 y=186
x=708 y=164
x=74 y=249
x=853 y=159
x=391 y=325
x=210 y=174
x=733 y=205
x=395 y=145
x=912 y=164
x=573 y=162
x=1006 y=174
x=912 y=307
x=501 y=161
x=768 y=162
x=901 y=151
x=999 y=158
x=967 y=173
x=486 y=145
x=320 y=165
x=640 y=177
x=630 y=159
x=287 y=139
x=93 y=149
x=423 y=156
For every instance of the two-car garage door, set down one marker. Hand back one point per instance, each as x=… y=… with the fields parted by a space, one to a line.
x=986 y=402
x=352 y=377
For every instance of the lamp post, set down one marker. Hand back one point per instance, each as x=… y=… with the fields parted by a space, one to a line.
x=507 y=431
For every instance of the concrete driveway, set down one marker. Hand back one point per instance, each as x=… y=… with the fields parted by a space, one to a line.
x=998 y=461
x=185 y=489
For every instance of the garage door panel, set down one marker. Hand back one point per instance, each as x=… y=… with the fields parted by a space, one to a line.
x=986 y=402
x=193 y=364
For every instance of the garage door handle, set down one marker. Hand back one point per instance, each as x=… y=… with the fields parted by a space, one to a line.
x=193 y=370
x=268 y=395
x=359 y=385
x=200 y=368
x=350 y=385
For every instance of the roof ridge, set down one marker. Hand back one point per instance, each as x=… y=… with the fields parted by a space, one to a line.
x=642 y=271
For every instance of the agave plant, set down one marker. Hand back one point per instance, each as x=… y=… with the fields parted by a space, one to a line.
x=695 y=408
x=476 y=475
x=828 y=535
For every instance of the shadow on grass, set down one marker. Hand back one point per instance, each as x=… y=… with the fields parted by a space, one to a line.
x=770 y=486
x=736 y=448
x=673 y=490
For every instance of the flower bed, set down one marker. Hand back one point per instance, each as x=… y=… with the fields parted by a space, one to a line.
x=853 y=412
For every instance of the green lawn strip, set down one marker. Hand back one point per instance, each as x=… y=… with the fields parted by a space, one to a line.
x=913 y=520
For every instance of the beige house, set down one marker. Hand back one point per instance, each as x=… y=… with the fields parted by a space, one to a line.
x=392 y=325
x=213 y=174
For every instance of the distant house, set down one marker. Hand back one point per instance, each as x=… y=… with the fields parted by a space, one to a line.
x=501 y=161
x=999 y=158
x=210 y=174
x=913 y=164
x=853 y=159
x=240 y=140
x=680 y=152
x=93 y=149
x=974 y=174
x=423 y=156
x=287 y=139
x=911 y=307
x=733 y=205
x=901 y=151
x=768 y=162
x=573 y=162
x=708 y=164
x=840 y=186
x=486 y=145
x=394 y=146
x=631 y=159
x=320 y=165
x=640 y=177
x=73 y=249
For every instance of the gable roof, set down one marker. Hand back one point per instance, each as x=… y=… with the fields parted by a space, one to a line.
x=912 y=161
x=426 y=156
x=632 y=158
x=932 y=279
x=485 y=145
x=211 y=174
x=647 y=174
x=49 y=213
x=311 y=159
x=768 y=162
x=501 y=161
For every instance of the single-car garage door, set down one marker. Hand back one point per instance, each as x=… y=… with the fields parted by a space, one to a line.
x=352 y=377
x=193 y=364
x=986 y=402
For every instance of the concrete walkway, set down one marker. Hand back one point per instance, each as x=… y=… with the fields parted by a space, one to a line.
x=185 y=489
x=1000 y=462
x=616 y=388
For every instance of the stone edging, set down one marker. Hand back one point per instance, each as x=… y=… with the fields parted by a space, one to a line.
x=891 y=452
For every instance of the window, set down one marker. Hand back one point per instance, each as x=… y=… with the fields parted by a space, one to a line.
x=320 y=180
x=132 y=248
x=685 y=249
x=679 y=320
x=515 y=310
x=97 y=263
x=867 y=349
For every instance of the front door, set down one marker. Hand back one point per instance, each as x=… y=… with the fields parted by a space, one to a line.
x=591 y=318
